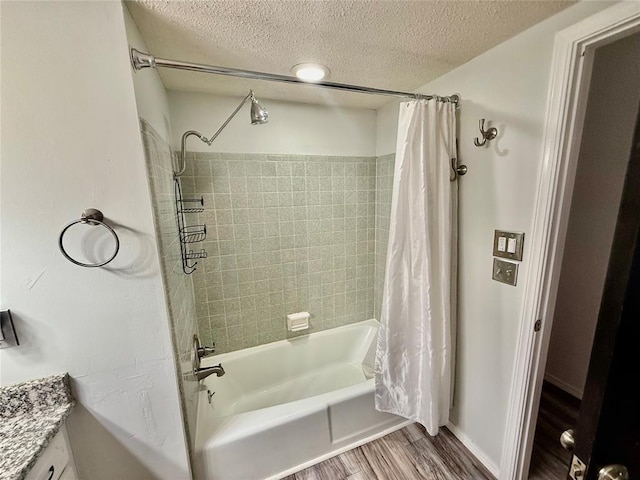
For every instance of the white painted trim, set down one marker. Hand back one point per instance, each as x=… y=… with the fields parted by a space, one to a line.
x=566 y=102
x=564 y=386
x=475 y=450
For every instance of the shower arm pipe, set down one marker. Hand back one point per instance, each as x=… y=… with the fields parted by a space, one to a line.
x=208 y=141
x=142 y=60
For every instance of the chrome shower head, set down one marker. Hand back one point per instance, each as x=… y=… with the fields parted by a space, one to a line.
x=259 y=114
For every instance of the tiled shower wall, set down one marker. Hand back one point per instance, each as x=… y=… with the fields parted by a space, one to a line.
x=285 y=234
x=384 y=188
x=178 y=286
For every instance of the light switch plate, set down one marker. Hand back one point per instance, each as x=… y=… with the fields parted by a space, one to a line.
x=518 y=237
x=505 y=272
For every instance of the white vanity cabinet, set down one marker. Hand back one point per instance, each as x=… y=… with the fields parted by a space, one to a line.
x=56 y=462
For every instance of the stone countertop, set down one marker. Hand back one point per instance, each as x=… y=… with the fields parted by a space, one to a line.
x=31 y=413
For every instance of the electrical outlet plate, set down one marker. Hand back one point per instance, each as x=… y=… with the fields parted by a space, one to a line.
x=505 y=272
x=519 y=239
x=8 y=334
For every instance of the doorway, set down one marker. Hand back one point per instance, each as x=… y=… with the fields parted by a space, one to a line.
x=612 y=106
x=574 y=54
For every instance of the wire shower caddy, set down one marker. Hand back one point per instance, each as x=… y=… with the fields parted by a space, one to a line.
x=189 y=233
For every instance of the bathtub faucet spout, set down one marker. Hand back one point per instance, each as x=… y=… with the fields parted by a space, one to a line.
x=204 y=372
x=197 y=352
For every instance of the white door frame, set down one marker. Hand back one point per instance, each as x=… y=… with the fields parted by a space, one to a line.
x=566 y=103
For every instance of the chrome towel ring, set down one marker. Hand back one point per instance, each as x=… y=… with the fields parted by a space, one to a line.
x=90 y=216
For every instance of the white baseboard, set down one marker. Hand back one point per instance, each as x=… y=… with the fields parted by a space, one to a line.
x=562 y=385
x=475 y=450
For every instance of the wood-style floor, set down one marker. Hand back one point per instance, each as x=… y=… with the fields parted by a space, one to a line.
x=558 y=412
x=407 y=454
x=412 y=454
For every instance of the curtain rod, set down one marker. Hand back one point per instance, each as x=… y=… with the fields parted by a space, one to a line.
x=141 y=60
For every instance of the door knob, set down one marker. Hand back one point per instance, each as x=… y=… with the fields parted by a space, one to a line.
x=567 y=439
x=613 y=472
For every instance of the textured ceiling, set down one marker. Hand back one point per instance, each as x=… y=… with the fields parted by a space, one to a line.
x=397 y=45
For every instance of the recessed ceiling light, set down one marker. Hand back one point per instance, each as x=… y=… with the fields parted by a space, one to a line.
x=310 y=72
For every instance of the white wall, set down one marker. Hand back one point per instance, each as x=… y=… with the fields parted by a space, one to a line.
x=508 y=86
x=153 y=106
x=70 y=140
x=151 y=96
x=293 y=128
x=604 y=154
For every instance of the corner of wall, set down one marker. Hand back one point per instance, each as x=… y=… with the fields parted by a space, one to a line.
x=508 y=86
x=151 y=95
x=386 y=128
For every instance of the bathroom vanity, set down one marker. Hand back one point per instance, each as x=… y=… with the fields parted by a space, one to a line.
x=56 y=461
x=34 y=444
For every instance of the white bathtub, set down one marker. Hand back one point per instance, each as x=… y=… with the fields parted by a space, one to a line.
x=287 y=405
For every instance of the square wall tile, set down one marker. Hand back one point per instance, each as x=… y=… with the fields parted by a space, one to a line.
x=289 y=233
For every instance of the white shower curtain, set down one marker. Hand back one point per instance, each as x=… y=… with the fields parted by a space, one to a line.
x=415 y=351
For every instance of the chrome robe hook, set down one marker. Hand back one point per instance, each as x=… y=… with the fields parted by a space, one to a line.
x=488 y=134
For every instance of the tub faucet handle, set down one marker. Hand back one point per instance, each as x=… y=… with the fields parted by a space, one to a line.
x=206 y=351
